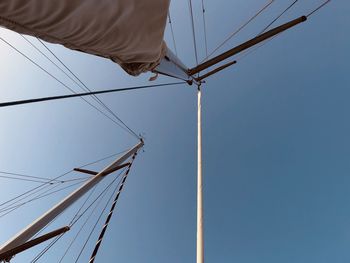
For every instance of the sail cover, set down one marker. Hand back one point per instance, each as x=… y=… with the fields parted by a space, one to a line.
x=129 y=32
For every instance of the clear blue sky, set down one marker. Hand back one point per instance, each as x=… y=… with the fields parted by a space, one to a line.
x=276 y=143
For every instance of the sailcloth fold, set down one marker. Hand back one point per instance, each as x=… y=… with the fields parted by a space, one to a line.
x=129 y=32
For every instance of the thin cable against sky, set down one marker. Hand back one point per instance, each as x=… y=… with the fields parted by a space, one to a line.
x=172 y=33
x=205 y=29
x=193 y=31
x=235 y=32
x=87 y=89
x=63 y=84
x=281 y=14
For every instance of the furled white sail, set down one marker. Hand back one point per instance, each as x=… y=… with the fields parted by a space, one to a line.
x=129 y=32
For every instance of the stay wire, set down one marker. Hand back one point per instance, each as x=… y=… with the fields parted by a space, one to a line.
x=111 y=211
x=25 y=195
x=84 y=88
x=100 y=198
x=43 y=179
x=13 y=206
x=55 y=179
x=54 y=241
x=193 y=31
x=38 y=233
x=278 y=17
x=318 y=8
x=76 y=219
x=97 y=221
x=234 y=33
x=250 y=51
x=35 y=190
x=48 y=58
x=27 y=176
x=38 y=256
x=205 y=29
x=103 y=159
x=40 y=196
x=62 y=83
x=20 y=179
x=84 y=203
x=87 y=89
x=172 y=32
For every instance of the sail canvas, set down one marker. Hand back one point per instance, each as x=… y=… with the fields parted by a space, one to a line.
x=129 y=32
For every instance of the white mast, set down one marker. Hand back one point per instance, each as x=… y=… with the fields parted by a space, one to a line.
x=46 y=218
x=200 y=239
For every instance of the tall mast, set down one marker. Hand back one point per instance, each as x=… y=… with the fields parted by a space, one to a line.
x=27 y=233
x=200 y=239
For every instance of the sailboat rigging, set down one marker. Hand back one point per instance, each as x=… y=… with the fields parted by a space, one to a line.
x=135 y=42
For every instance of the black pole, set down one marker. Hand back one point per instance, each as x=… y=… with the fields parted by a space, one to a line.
x=246 y=45
x=7 y=255
x=19 y=102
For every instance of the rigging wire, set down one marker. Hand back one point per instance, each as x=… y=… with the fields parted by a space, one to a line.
x=25 y=195
x=99 y=198
x=21 y=179
x=84 y=203
x=86 y=199
x=103 y=159
x=15 y=203
x=52 y=180
x=48 y=58
x=235 y=32
x=205 y=29
x=79 y=231
x=54 y=241
x=79 y=84
x=76 y=219
x=27 y=176
x=12 y=207
x=62 y=83
x=44 y=179
x=38 y=189
x=193 y=31
x=42 y=195
x=87 y=89
x=318 y=8
x=172 y=33
x=97 y=221
x=250 y=51
x=278 y=17
x=110 y=214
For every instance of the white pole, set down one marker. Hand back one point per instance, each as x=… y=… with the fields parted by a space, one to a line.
x=200 y=241
x=28 y=232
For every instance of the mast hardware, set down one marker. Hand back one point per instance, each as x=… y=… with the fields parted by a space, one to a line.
x=7 y=255
x=200 y=78
x=246 y=45
x=31 y=230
